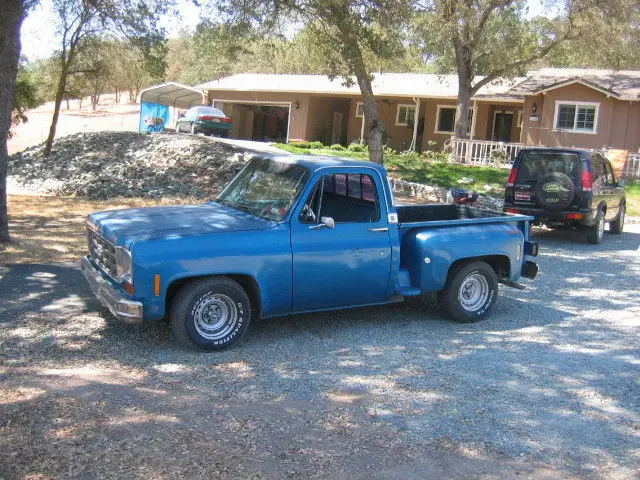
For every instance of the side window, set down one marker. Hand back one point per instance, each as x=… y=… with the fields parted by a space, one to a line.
x=347 y=198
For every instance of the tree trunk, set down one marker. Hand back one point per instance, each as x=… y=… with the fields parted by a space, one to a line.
x=68 y=106
x=62 y=85
x=13 y=13
x=374 y=128
x=465 y=92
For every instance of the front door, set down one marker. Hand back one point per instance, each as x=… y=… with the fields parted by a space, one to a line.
x=502 y=123
x=349 y=264
x=336 y=128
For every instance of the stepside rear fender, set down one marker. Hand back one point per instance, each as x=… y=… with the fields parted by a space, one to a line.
x=429 y=253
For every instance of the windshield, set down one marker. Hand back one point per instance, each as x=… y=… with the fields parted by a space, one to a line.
x=535 y=165
x=265 y=188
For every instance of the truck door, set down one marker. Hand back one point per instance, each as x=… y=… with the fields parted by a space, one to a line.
x=348 y=264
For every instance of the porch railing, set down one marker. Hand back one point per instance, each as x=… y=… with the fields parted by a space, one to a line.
x=631 y=167
x=482 y=152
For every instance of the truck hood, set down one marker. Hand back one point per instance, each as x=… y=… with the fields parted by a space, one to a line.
x=127 y=226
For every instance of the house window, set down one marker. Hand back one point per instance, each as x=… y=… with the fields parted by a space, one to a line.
x=359 y=109
x=576 y=116
x=405 y=115
x=446 y=119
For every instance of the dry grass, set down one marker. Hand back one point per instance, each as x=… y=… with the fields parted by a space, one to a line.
x=52 y=229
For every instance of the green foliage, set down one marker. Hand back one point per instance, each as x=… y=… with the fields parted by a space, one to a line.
x=337 y=147
x=357 y=147
x=307 y=145
x=26 y=96
x=632 y=190
x=607 y=40
x=429 y=167
x=26 y=93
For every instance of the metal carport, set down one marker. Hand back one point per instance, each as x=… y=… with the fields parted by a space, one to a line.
x=163 y=100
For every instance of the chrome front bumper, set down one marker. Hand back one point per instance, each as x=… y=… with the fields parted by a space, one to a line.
x=126 y=310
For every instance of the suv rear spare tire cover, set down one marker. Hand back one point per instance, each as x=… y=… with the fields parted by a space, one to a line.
x=554 y=191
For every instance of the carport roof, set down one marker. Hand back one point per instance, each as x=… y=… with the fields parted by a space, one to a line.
x=173 y=94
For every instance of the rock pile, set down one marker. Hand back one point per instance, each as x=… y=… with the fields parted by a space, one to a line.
x=126 y=164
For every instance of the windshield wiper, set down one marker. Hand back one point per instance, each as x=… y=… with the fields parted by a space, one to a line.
x=243 y=208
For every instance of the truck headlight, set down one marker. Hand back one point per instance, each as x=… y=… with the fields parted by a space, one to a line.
x=123 y=263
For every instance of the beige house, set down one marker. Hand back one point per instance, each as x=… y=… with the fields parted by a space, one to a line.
x=553 y=107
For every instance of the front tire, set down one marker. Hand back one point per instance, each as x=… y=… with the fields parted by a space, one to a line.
x=470 y=293
x=595 y=234
x=210 y=314
x=618 y=224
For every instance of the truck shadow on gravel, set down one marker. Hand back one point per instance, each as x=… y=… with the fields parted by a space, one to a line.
x=548 y=382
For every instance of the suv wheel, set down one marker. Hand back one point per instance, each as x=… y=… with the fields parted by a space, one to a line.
x=596 y=233
x=210 y=314
x=618 y=224
x=470 y=292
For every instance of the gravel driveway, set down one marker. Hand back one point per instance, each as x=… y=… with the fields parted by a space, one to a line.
x=548 y=387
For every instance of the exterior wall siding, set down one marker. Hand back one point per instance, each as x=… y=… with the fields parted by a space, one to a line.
x=618 y=121
x=321 y=116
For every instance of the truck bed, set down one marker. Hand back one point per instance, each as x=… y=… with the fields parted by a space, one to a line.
x=433 y=215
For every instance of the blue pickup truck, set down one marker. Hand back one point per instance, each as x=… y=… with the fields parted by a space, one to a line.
x=293 y=234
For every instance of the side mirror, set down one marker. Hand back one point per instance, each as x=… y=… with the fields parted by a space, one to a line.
x=327 y=222
x=622 y=183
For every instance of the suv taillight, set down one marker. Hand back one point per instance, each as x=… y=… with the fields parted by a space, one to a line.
x=587 y=181
x=512 y=177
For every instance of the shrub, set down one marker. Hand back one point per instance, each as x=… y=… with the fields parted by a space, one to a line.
x=389 y=151
x=499 y=156
x=308 y=145
x=357 y=147
x=337 y=146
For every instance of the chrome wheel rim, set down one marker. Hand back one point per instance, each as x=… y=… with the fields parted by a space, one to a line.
x=474 y=292
x=215 y=317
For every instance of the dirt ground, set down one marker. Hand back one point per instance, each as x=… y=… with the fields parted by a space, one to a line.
x=107 y=116
x=52 y=229
x=544 y=389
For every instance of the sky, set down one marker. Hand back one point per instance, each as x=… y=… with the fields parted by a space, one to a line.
x=39 y=39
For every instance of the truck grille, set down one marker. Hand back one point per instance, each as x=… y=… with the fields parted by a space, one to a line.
x=102 y=252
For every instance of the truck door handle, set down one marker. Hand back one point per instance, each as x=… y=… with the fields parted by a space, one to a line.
x=380 y=229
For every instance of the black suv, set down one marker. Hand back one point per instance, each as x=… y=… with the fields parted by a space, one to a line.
x=566 y=188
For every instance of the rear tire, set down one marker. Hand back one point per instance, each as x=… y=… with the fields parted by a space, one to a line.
x=618 y=224
x=595 y=234
x=210 y=314
x=470 y=293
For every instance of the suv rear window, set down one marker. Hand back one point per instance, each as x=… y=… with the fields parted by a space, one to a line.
x=535 y=165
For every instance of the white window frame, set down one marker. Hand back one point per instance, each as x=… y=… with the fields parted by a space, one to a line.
x=408 y=106
x=520 y=119
x=358 y=105
x=454 y=107
x=575 y=118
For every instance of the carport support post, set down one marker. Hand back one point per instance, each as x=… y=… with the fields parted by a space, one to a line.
x=416 y=117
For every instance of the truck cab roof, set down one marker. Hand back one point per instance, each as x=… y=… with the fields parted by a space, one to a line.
x=315 y=162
